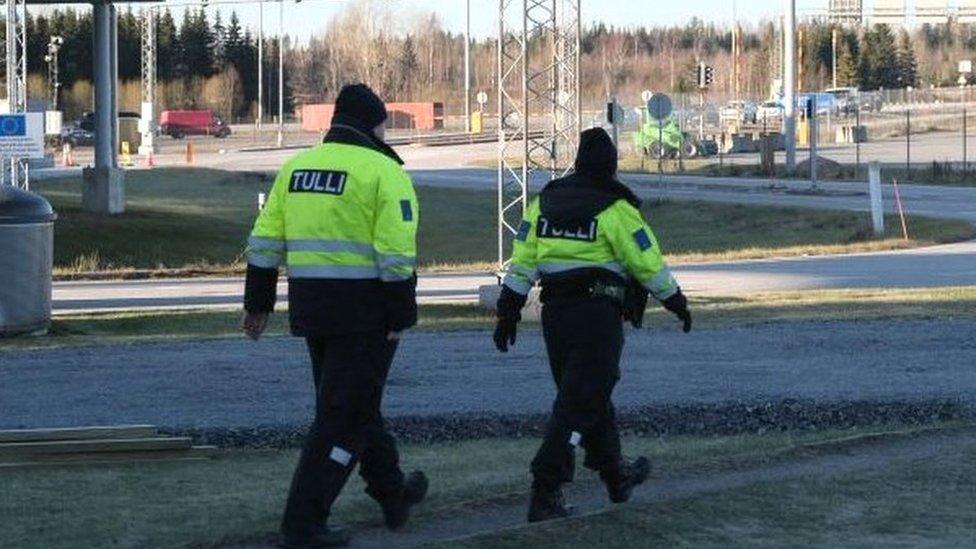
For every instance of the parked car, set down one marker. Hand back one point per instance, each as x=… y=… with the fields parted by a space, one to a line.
x=76 y=136
x=769 y=111
x=179 y=124
x=87 y=120
x=738 y=112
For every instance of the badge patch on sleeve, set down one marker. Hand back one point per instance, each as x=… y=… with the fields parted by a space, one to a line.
x=406 y=210
x=523 y=232
x=643 y=240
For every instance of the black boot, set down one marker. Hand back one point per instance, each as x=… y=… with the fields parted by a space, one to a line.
x=323 y=537
x=622 y=479
x=547 y=504
x=396 y=509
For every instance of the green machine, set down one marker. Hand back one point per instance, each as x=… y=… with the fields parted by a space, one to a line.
x=667 y=140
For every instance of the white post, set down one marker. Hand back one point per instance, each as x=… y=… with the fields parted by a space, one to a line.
x=814 y=136
x=877 y=204
x=789 y=84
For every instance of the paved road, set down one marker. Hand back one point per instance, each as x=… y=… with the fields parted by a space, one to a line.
x=940 y=266
x=232 y=383
x=951 y=265
x=232 y=154
x=205 y=293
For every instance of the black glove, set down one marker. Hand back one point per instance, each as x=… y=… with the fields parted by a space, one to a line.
x=505 y=332
x=635 y=303
x=678 y=304
x=509 y=308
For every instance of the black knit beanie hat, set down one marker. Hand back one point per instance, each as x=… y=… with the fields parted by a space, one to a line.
x=359 y=107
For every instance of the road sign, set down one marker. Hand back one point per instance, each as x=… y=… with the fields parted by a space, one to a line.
x=22 y=135
x=966 y=66
x=646 y=95
x=659 y=106
x=482 y=98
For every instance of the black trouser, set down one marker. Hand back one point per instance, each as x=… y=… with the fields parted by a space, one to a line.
x=584 y=339
x=350 y=373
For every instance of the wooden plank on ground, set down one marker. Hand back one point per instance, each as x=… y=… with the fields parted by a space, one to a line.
x=78 y=433
x=95 y=446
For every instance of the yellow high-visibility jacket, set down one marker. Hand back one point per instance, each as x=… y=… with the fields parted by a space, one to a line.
x=617 y=239
x=342 y=219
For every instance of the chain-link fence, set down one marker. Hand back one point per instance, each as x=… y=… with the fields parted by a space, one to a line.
x=918 y=135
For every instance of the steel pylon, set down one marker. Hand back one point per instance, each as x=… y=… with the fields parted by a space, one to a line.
x=538 y=94
x=15 y=170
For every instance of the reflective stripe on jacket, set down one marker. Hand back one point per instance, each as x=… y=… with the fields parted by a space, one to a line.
x=339 y=211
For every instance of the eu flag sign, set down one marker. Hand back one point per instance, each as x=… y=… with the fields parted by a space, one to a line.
x=13 y=125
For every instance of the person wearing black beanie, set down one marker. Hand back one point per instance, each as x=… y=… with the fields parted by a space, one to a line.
x=585 y=240
x=342 y=217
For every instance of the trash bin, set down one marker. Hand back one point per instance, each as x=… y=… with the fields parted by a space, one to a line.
x=26 y=258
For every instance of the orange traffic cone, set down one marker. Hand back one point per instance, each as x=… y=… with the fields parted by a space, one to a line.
x=189 y=152
x=150 y=160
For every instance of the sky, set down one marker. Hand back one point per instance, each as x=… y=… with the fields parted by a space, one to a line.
x=309 y=17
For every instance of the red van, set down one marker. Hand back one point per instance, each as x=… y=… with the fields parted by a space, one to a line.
x=179 y=124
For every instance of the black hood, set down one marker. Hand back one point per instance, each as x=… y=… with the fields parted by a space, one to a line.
x=593 y=187
x=597 y=156
x=577 y=198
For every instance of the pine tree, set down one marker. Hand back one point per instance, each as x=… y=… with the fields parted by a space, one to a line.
x=907 y=64
x=167 y=46
x=218 y=42
x=846 y=64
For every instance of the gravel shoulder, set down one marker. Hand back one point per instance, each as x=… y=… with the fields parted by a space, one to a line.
x=231 y=383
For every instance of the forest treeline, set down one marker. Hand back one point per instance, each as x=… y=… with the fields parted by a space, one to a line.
x=206 y=60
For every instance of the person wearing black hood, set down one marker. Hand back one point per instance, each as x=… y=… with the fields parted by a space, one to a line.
x=343 y=217
x=597 y=259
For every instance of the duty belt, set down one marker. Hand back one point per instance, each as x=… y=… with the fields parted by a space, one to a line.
x=614 y=291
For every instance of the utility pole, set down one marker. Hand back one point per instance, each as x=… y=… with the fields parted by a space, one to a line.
x=281 y=73
x=736 y=46
x=789 y=84
x=833 y=49
x=467 y=66
x=260 y=64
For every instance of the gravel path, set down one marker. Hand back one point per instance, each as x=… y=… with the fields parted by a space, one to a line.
x=233 y=383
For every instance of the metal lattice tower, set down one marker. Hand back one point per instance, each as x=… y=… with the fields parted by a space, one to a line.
x=148 y=27
x=16 y=55
x=537 y=80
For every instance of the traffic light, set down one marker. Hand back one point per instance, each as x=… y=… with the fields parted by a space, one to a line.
x=706 y=75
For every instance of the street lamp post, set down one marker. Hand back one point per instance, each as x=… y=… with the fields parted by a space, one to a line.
x=260 y=120
x=467 y=67
x=281 y=72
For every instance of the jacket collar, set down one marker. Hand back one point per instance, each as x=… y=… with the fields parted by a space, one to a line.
x=349 y=135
